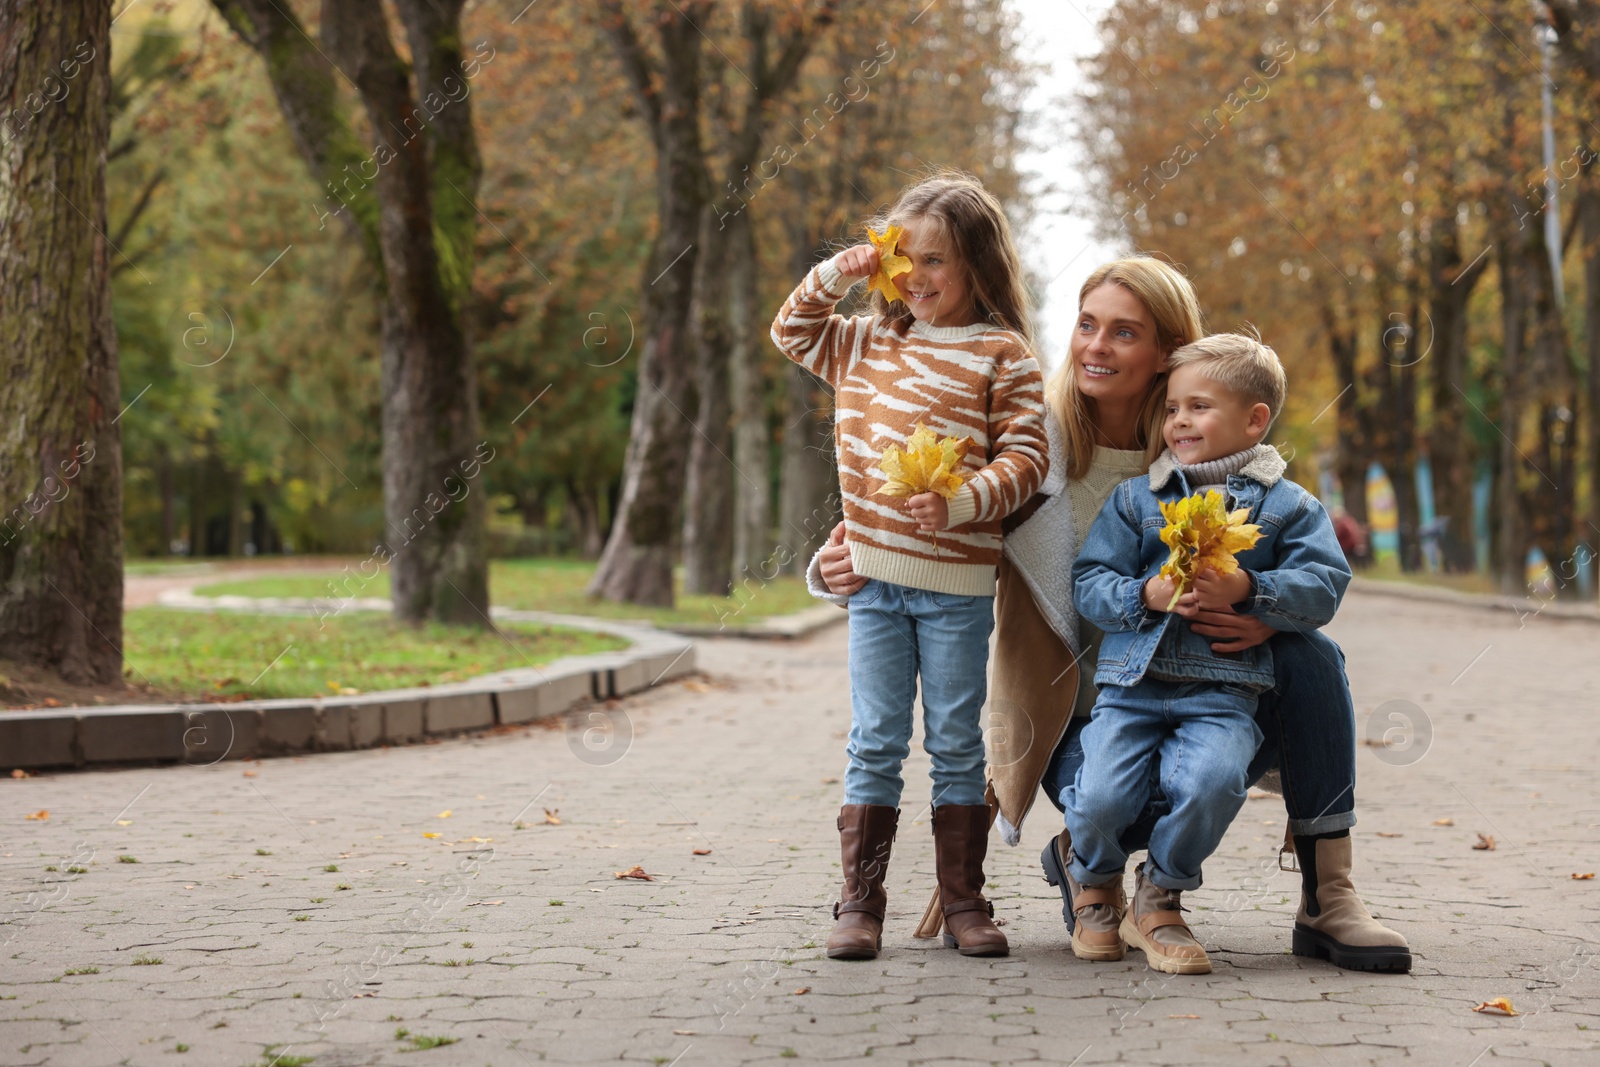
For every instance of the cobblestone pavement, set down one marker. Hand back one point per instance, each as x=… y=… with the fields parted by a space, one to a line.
x=354 y=908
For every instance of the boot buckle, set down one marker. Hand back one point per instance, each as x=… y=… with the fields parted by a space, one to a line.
x=1292 y=864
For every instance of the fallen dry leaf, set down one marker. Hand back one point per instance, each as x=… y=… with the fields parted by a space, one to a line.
x=1183 y=1016
x=38 y=816
x=697 y=687
x=635 y=871
x=1383 y=834
x=552 y=817
x=18 y=772
x=124 y=822
x=829 y=781
x=1485 y=843
x=1583 y=877
x=445 y=814
x=1446 y=821
x=477 y=840
x=802 y=991
x=686 y=1033
x=430 y=835
x=249 y=774
x=707 y=852
x=485 y=903
x=1498 y=1004
x=358 y=996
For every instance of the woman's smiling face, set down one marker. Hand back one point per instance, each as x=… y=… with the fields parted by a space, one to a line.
x=1115 y=351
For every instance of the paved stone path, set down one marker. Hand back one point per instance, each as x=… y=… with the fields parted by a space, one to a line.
x=304 y=908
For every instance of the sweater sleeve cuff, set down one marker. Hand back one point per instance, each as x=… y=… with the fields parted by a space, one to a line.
x=963 y=506
x=833 y=282
x=819 y=589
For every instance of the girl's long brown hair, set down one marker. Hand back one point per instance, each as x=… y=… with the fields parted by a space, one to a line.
x=1170 y=299
x=974 y=227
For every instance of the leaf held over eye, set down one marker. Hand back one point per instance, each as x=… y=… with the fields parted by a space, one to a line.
x=890 y=263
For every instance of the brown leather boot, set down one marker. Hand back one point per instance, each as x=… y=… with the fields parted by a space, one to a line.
x=960 y=841
x=1154 y=925
x=1332 y=923
x=866 y=833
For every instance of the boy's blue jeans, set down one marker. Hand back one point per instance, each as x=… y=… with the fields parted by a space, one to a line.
x=1310 y=727
x=896 y=634
x=1204 y=733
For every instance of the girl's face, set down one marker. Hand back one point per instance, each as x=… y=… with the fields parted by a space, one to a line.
x=936 y=289
x=1115 y=353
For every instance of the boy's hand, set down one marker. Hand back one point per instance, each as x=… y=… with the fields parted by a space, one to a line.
x=931 y=510
x=858 y=262
x=1158 y=594
x=1219 y=592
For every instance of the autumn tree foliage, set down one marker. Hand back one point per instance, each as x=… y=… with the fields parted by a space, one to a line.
x=1365 y=184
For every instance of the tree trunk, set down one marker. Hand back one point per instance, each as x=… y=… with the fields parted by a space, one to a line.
x=169 y=528
x=808 y=504
x=1589 y=209
x=417 y=225
x=1351 y=464
x=61 y=449
x=752 y=521
x=1510 y=551
x=1450 y=448
x=235 y=514
x=637 y=563
x=708 y=519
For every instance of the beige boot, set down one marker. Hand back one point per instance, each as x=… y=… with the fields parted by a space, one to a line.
x=1332 y=923
x=1155 y=926
x=1093 y=913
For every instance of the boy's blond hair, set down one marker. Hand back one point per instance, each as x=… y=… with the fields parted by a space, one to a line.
x=1243 y=364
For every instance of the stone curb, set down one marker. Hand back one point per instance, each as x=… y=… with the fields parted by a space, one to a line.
x=1528 y=607
x=209 y=733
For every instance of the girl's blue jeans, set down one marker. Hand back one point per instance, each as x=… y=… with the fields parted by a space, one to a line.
x=1308 y=725
x=898 y=634
x=1204 y=734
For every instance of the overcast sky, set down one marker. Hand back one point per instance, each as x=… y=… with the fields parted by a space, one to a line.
x=1058 y=243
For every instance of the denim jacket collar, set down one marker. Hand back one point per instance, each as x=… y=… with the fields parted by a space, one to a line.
x=1265 y=467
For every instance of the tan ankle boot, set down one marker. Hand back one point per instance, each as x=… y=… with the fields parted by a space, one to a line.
x=1093 y=913
x=960 y=842
x=1154 y=925
x=866 y=833
x=1332 y=923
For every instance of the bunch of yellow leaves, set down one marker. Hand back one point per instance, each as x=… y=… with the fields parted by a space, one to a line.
x=927 y=465
x=1202 y=533
x=890 y=263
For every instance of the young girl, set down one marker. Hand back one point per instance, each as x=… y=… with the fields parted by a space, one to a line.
x=953 y=352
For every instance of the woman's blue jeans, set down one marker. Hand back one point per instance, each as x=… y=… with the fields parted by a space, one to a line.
x=898 y=634
x=1308 y=726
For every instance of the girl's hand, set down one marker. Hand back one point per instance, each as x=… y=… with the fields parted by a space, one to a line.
x=858 y=262
x=1158 y=593
x=1219 y=592
x=931 y=511
x=1237 y=632
x=837 y=572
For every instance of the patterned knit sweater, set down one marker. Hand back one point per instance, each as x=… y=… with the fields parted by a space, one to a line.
x=979 y=381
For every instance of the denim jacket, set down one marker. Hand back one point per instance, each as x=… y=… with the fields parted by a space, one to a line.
x=1297 y=571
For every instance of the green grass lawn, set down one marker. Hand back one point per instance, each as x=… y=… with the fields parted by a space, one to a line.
x=550 y=585
x=226 y=654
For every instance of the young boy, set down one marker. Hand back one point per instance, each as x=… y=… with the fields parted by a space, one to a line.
x=1164 y=694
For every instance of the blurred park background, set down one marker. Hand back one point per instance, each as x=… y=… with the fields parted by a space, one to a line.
x=467 y=303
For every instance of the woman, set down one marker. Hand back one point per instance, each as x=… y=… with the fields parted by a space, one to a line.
x=1106 y=405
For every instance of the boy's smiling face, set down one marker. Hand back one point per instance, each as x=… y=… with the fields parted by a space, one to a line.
x=1206 y=420
x=936 y=288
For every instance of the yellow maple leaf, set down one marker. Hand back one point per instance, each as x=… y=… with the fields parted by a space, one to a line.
x=890 y=263
x=1201 y=533
x=926 y=465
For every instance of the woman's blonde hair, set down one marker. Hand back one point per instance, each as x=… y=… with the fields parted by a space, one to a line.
x=1170 y=299
x=974 y=228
